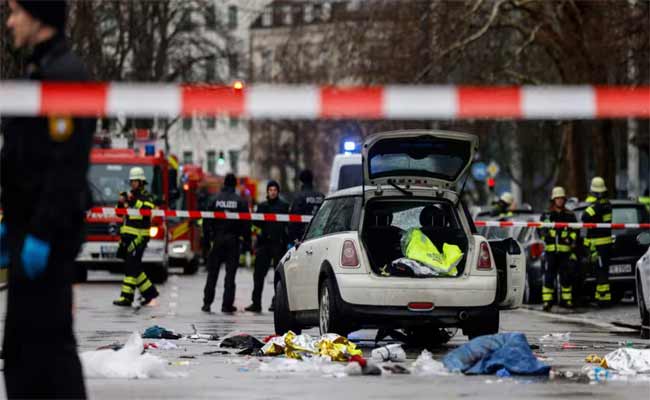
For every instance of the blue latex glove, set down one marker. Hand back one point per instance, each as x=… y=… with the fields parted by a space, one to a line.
x=34 y=256
x=4 y=247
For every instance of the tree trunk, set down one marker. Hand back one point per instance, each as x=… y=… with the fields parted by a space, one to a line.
x=572 y=172
x=604 y=154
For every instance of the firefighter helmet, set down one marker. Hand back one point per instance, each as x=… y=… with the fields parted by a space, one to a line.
x=558 y=191
x=507 y=198
x=598 y=185
x=137 y=174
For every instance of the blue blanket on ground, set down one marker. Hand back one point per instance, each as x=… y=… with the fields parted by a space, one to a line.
x=490 y=353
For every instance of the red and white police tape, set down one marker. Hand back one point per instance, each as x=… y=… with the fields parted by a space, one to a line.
x=106 y=211
x=311 y=102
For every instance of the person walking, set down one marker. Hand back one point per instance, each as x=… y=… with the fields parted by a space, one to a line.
x=44 y=196
x=272 y=241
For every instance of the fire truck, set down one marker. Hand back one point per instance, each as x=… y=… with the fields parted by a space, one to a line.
x=108 y=176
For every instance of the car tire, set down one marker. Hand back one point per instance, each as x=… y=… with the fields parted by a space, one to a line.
x=486 y=324
x=329 y=317
x=643 y=310
x=283 y=320
x=532 y=289
x=157 y=273
x=191 y=267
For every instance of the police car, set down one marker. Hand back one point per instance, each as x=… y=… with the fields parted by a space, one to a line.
x=340 y=277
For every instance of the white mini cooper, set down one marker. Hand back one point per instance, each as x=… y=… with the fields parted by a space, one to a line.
x=337 y=277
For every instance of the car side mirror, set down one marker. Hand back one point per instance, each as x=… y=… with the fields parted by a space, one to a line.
x=643 y=238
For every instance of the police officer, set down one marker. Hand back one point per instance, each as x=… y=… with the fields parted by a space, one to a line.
x=598 y=242
x=306 y=202
x=43 y=166
x=502 y=207
x=560 y=254
x=134 y=236
x=225 y=237
x=271 y=244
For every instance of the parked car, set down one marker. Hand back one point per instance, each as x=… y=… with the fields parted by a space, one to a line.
x=333 y=279
x=642 y=275
x=626 y=250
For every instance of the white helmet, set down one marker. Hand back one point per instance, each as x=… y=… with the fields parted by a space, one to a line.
x=598 y=185
x=137 y=174
x=558 y=191
x=507 y=198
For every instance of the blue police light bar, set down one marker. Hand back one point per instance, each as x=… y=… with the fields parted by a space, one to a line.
x=149 y=150
x=349 y=146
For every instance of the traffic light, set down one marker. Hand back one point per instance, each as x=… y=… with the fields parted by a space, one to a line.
x=222 y=159
x=491 y=183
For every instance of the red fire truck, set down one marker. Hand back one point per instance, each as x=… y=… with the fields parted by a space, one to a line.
x=108 y=177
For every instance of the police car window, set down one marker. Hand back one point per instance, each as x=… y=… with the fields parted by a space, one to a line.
x=350 y=176
x=340 y=219
x=319 y=223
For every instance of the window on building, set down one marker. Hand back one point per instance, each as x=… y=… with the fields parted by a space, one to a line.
x=267 y=16
x=187 y=123
x=326 y=12
x=287 y=14
x=186 y=23
x=211 y=122
x=211 y=17
x=210 y=69
x=211 y=157
x=234 y=64
x=308 y=13
x=267 y=59
x=188 y=157
x=234 y=122
x=233 y=155
x=232 y=17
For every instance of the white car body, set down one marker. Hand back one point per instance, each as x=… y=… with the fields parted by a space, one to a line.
x=364 y=298
x=643 y=292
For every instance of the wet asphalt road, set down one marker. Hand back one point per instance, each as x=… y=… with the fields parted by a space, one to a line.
x=224 y=376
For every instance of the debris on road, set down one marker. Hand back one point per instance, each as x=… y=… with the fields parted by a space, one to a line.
x=629 y=361
x=425 y=365
x=200 y=336
x=337 y=348
x=129 y=362
x=391 y=352
x=490 y=353
x=158 y=332
x=242 y=341
x=556 y=338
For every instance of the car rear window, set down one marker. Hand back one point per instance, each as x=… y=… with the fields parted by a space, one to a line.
x=351 y=175
x=406 y=215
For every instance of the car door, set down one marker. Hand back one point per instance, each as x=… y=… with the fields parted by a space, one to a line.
x=299 y=268
x=510 y=261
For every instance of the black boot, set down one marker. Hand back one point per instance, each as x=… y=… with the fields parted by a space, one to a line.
x=256 y=308
x=123 y=302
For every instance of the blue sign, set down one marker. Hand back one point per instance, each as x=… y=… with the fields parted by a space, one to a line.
x=479 y=171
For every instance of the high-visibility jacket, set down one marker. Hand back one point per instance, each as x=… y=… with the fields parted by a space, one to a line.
x=645 y=200
x=599 y=211
x=417 y=246
x=559 y=240
x=136 y=225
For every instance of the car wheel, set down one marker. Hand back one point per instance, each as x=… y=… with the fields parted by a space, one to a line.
x=191 y=267
x=486 y=324
x=157 y=273
x=643 y=310
x=283 y=320
x=532 y=288
x=329 y=318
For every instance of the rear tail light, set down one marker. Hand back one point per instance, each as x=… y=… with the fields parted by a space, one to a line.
x=536 y=250
x=349 y=255
x=420 y=306
x=484 y=259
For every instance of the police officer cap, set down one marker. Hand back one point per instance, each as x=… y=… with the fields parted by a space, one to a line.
x=273 y=183
x=49 y=12
x=306 y=176
x=230 y=181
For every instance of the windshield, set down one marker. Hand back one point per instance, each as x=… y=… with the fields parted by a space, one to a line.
x=629 y=215
x=351 y=175
x=421 y=156
x=107 y=181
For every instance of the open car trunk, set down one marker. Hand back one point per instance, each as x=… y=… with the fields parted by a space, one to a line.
x=386 y=221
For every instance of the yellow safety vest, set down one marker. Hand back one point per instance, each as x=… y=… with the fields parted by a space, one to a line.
x=419 y=247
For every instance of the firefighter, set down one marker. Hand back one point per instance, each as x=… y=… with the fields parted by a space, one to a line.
x=225 y=237
x=560 y=251
x=502 y=207
x=134 y=236
x=271 y=244
x=44 y=195
x=306 y=202
x=598 y=242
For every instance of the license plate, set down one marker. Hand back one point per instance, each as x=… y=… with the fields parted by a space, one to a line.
x=108 y=251
x=620 y=269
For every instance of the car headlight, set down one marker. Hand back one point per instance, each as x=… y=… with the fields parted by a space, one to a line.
x=153 y=231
